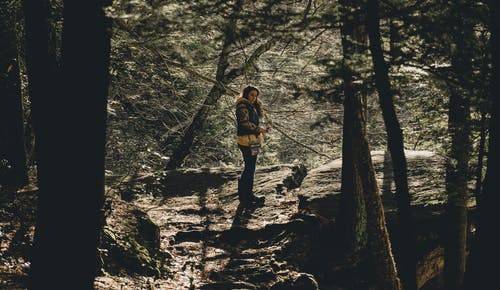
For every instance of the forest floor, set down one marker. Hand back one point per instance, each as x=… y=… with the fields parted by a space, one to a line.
x=208 y=241
x=213 y=242
x=17 y=224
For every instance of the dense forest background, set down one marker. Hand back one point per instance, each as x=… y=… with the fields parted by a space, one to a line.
x=127 y=99
x=299 y=77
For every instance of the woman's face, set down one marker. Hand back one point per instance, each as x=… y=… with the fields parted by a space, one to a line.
x=252 y=96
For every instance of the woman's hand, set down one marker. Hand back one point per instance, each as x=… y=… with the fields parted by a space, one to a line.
x=263 y=130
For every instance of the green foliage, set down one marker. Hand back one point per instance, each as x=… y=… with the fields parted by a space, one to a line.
x=151 y=103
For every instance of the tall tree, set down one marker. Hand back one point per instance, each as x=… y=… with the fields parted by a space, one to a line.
x=69 y=141
x=12 y=149
x=223 y=78
x=352 y=215
x=407 y=237
x=486 y=250
x=362 y=216
x=378 y=237
x=458 y=156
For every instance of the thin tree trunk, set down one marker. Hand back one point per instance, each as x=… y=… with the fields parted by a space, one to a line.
x=364 y=100
x=223 y=78
x=41 y=69
x=407 y=237
x=351 y=219
x=473 y=263
x=486 y=251
x=480 y=154
x=28 y=134
x=69 y=142
x=456 y=187
x=394 y=40
x=12 y=149
x=182 y=150
x=378 y=236
x=458 y=156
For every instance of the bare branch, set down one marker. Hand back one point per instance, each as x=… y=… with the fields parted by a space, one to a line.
x=275 y=126
x=234 y=73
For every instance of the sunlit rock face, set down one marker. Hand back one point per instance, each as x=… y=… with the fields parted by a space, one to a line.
x=319 y=196
x=320 y=190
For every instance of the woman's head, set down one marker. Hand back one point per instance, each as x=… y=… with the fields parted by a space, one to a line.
x=250 y=93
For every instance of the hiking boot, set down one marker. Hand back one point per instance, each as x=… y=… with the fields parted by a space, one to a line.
x=253 y=201
x=258 y=200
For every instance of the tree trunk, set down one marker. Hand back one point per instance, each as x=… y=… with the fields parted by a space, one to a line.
x=473 y=263
x=69 y=141
x=480 y=154
x=352 y=215
x=378 y=237
x=41 y=69
x=351 y=219
x=457 y=162
x=13 y=168
x=394 y=39
x=456 y=187
x=486 y=250
x=406 y=255
x=182 y=150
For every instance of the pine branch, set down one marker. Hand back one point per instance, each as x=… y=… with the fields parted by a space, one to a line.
x=120 y=23
x=231 y=75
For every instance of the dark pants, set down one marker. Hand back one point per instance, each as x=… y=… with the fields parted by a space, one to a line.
x=245 y=183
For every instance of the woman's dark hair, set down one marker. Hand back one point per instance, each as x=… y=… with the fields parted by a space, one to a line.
x=247 y=90
x=257 y=105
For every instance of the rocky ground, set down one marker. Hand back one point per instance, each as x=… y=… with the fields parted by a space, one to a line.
x=17 y=220
x=185 y=230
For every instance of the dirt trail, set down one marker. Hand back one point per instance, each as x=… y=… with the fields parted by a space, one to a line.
x=214 y=243
x=207 y=241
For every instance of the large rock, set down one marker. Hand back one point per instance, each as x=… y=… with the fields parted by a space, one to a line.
x=319 y=196
x=320 y=191
x=130 y=241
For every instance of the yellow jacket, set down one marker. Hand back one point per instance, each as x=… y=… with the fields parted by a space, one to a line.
x=248 y=121
x=244 y=140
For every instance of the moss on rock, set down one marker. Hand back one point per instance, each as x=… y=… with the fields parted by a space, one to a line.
x=130 y=242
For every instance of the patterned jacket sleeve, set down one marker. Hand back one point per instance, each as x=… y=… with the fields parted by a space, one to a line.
x=243 y=117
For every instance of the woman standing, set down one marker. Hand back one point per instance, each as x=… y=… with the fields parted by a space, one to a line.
x=250 y=138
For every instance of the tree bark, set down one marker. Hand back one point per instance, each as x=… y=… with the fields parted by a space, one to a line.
x=457 y=163
x=486 y=251
x=41 y=69
x=69 y=141
x=352 y=214
x=406 y=255
x=351 y=219
x=12 y=148
x=456 y=187
x=394 y=39
x=378 y=236
x=480 y=154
